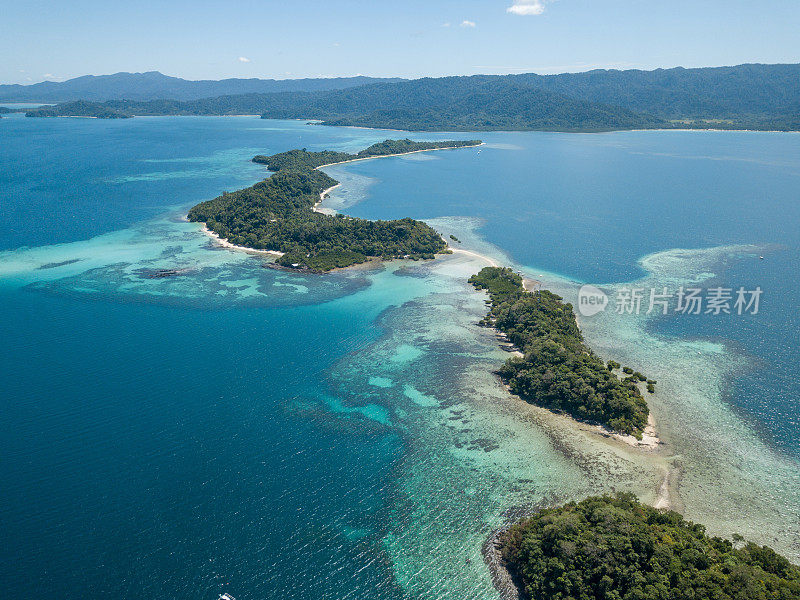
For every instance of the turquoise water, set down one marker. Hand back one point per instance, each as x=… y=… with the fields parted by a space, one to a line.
x=609 y=210
x=588 y=207
x=236 y=428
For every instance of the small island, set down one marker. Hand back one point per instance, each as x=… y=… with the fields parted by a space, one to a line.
x=278 y=214
x=557 y=370
x=614 y=547
x=78 y=108
x=294 y=159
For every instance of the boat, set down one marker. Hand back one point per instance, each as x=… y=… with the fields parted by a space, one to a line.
x=226 y=596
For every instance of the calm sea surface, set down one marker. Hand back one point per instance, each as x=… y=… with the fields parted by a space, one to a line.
x=588 y=206
x=241 y=429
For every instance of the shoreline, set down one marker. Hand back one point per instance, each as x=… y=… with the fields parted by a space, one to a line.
x=322 y=194
x=413 y=131
x=492 y=262
x=317 y=207
x=650 y=440
x=224 y=243
x=351 y=160
x=503 y=579
x=588 y=131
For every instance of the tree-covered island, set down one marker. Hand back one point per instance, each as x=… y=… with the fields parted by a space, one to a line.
x=558 y=370
x=78 y=108
x=278 y=214
x=615 y=548
x=294 y=159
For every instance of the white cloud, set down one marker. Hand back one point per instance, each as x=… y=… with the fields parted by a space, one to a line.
x=244 y=59
x=466 y=23
x=445 y=24
x=526 y=7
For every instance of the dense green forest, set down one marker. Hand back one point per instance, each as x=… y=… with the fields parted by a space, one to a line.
x=459 y=104
x=294 y=159
x=302 y=159
x=454 y=104
x=79 y=108
x=617 y=548
x=388 y=147
x=277 y=214
x=753 y=91
x=741 y=97
x=558 y=370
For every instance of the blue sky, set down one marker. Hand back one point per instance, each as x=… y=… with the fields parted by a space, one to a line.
x=413 y=38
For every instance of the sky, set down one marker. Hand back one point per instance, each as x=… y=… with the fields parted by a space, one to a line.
x=44 y=40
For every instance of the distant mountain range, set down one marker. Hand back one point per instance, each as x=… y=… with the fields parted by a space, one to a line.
x=746 y=96
x=751 y=96
x=154 y=85
x=678 y=93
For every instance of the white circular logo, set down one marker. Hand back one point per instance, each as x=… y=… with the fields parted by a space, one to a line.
x=591 y=300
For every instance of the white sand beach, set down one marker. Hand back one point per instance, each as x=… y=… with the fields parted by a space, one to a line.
x=230 y=246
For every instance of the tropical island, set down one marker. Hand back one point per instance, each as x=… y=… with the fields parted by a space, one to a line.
x=78 y=108
x=278 y=214
x=557 y=370
x=614 y=547
x=302 y=159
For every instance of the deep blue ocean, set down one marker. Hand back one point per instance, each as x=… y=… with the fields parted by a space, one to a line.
x=184 y=443
x=154 y=449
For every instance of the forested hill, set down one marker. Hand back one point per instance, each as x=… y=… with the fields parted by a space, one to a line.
x=752 y=89
x=79 y=108
x=457 y=104
x=615 y=547
x=741 y=97
x=452 y=104
x=154 y=85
